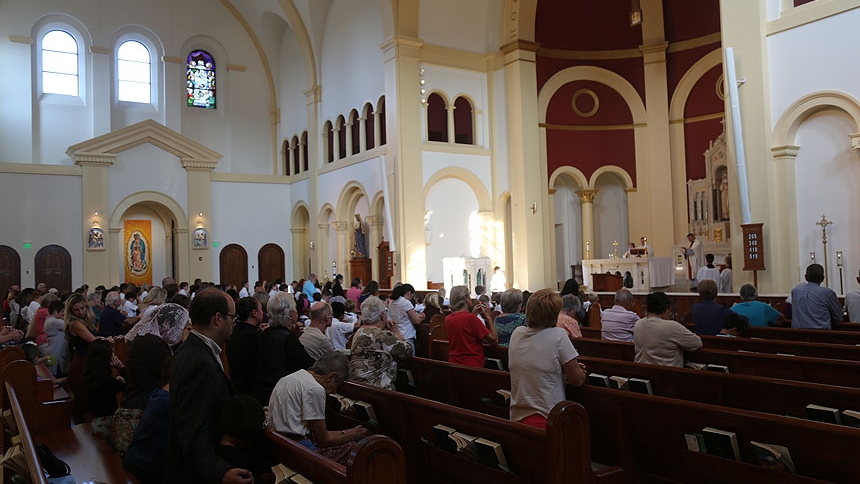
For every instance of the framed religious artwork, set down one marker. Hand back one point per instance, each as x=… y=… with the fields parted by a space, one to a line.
x=95 y=239
x=200 y=239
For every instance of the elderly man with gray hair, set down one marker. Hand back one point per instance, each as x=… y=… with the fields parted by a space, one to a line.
x=376 y=346
x=618 y=321
x=570 y=305
x=759 y=313
x=280 y=351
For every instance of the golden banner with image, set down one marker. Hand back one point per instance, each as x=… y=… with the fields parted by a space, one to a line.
x=137 y=251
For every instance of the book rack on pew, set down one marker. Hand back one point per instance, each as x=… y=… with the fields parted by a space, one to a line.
x=628 y=431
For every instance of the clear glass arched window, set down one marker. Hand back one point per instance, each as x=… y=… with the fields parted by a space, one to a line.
x=200 y=79
x=133 y=72
x=59 y=63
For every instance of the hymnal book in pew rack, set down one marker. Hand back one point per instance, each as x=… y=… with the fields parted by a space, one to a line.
x=640 y=385
x=491 y=453
x=721 y=443
x=773 y=456
x=598 y=380
x=851 y=418
x=823 y=414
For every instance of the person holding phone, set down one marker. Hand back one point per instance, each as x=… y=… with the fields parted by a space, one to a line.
x=466 y=332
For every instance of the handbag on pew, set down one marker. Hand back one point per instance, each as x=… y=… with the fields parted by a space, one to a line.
x=55 y=468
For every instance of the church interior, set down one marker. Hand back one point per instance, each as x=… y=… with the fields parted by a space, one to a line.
x=433 y=142
x=529 y=135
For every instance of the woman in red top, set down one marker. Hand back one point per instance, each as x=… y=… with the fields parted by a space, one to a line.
x=466 y=332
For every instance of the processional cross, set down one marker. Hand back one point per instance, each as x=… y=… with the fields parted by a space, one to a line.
x=824 y=223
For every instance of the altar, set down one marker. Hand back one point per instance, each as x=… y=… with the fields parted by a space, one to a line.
x=643 y=272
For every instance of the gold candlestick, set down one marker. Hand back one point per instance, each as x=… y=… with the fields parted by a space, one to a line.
x=824 y=223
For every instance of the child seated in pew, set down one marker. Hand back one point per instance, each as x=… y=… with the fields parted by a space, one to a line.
x=242 y=421
x=103 y=385
x=297 y=408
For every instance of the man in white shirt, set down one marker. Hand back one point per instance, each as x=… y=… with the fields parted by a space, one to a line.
x=643 y=244
x=340 y=328
x=244 y=291
x=617 y=322
x=313 y=338
x=130 y=305
x=852 y=305
x=661 y=341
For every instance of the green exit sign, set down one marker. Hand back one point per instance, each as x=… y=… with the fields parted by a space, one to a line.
x=28 y=245
x=215 y=244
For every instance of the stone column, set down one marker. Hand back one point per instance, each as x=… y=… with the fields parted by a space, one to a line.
x=344 y=244
x=528 y=179
x=449 y=111
x=324 y=247
x=348 y=127
x=288 y=168
x=377 y=225
x=362 y=135
x=586 y=198
x=335 y=146
x=300 y=252
x=314 y=99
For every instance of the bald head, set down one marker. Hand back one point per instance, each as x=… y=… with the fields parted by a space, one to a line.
x=320 y=315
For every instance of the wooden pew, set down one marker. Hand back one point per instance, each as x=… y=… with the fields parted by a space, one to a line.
x=90 y=458
x=633 y=435
x=562 y=454
x=475 y=388
x=811 y=335
x=375 y=459
x=36 y=476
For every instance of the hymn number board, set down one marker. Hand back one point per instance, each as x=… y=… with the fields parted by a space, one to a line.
x=753 y=247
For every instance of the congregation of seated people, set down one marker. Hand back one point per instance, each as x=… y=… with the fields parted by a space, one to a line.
x=181 y=411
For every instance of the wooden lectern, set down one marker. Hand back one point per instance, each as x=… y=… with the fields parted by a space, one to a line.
x=606 y=282
x=360 y=267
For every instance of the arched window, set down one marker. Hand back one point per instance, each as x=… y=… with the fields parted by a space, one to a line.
x=200 y=79
x=463 y=131
x=133 y=72
x=381 y=109
x=368 y=126
x=59 y=63
x=341 y=138
x=286 y=151
x=295 y=154
x=305 y=149
x=437 y=118
x=355 y=126
x=329 y=134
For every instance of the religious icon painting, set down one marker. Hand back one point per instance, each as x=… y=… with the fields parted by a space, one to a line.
x=200 y=239
x=95 y=239
x=138 y=251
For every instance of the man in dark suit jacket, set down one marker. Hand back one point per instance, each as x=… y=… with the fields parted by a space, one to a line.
x=199 y=388
x=708 y=316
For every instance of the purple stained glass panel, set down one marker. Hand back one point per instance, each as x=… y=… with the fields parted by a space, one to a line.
x=200 y=82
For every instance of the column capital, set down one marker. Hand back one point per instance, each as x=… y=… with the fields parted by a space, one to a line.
x=323 y=226
x=855 y=142
x=340 y=226
x=313 y=94
x=298 y=231
x=587 y=196
x=374 y=221
x=653 y=53
x=789 y=151
x=94 y=159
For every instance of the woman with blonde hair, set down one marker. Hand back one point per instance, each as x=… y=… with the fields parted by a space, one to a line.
x=541 y=358
x=80 y=332
x=156 y=297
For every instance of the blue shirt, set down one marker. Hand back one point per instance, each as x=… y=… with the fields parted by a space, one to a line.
x=759 y=313
x=814 y=307
x=708 y=317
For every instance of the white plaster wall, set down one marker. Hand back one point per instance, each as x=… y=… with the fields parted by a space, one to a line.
x=499 y=141
x=368 y=174
x=469 y=25
x=568 y=227
x=42 y=210
x=251 y=215
x=811 y=58
x=433 y=162
x=610 y=218
x=351 y=64
x=147 y=167
x=291 y=86
x=299 y=192
x=159 y=250
x=827 y=179
x=452 y=203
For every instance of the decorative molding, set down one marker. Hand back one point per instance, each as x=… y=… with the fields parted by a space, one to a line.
x=19 y=39
x=519 y=44
x=450 y=57
x=855 y=142
x=630 y=190
x=100 y=50
x=313 y=94
x=172 y=59
x=808 y=13
x=654 y=53
x=193 y=155
x=715 y=38
x=592 y=95
x=552 y=191
x=696 y=119
x=596 y=127
x=454 y=148
x=785 y=152
x=249 y=178
x=340 y=227
x=237 y=67
x=38 y=169
x=298 y=230
x=587 y=196
x=375 y=221
x=94 y=159
x=670 y=48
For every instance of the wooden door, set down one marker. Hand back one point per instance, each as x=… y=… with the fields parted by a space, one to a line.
x=270 y=262
x=10 y=268
x=234 y=265
x=54 y=268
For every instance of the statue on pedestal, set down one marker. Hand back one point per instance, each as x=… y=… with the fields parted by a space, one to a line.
x=360 y=247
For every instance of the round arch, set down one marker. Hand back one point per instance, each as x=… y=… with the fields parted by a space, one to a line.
x=485 y=203
x=294 y=18
x=325 y=211
x=301 y=216
x=689 y=80
x=617 y=171
x=571 y=172
x=786 y=127
x=149 y=197
x=348 y=199
x=597 y=74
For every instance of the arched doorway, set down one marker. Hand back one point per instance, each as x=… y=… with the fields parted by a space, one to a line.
x=234 y=265
x=54 y=268
x=270 y=262
x=10 y=268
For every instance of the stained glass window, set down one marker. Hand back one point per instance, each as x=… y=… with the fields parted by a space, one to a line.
x=201 y=80
x=59 y=63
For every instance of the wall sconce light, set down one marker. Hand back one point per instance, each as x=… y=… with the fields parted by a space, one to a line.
x=312 y=245
x=96 y=213
x=534 y=207
x=839 y=258
x=635 y=13
x=422 y=91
